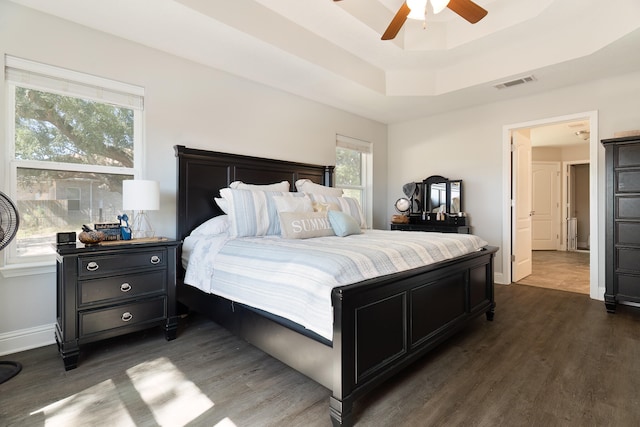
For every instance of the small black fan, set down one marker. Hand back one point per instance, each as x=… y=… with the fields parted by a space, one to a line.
x=9 y=221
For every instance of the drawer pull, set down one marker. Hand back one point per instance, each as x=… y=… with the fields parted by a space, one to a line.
x=125 y=287
x=126 y=316
x=155 y=259
x=93 y=266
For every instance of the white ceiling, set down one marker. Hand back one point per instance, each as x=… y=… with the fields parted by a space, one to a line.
x=562 y=134
x=331 y=52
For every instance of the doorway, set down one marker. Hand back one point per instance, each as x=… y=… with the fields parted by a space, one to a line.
x=583 y=128
x=578 y=216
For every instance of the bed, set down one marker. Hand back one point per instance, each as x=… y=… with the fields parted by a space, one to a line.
x=380 y=325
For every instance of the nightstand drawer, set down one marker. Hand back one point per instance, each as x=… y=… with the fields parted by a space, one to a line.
x=122 y=315
x=121 y=287
x=114 y=264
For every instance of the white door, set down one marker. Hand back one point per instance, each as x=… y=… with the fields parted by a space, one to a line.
x=521 y=209
x=545 y=205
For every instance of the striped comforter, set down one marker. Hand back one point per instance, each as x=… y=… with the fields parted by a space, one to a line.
x=294 y=278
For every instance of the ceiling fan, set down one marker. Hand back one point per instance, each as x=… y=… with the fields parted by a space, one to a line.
x=417 y=9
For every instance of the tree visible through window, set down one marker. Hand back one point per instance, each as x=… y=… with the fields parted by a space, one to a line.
x=71 y=154
x=348 y=172
x=56 y=128
x=353 y=171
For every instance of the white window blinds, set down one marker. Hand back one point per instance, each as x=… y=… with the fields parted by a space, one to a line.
x=34 y=75
x=353 y=144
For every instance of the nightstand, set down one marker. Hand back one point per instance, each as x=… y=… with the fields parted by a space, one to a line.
x=113 y=289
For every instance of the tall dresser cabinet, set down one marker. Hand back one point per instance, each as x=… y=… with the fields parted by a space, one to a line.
x=622 y=221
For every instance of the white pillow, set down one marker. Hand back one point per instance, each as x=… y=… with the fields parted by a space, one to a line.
x=293 y=204
x=279 y=186
x=222 y=204
x=347 y=205
x=308 y=186
x=253 y=213
x=216 y=225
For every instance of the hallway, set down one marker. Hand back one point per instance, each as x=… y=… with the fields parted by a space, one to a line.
x=561 y=270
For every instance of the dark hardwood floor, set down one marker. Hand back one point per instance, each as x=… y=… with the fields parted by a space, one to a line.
x=550 y=358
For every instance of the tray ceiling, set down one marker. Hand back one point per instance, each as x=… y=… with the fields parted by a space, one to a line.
x=331 y=52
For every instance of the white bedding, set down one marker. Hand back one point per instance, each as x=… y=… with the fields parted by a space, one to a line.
x=294 y=278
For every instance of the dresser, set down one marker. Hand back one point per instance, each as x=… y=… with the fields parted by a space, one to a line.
x=450 y=224
x=622 y=251
x=439 y=228
x=109 y=290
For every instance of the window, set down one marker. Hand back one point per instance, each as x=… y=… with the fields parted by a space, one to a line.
x=354 y=171
x=73 y=139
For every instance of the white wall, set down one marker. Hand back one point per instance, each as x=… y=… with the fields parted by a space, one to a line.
x=468 y=144
x=185 y=103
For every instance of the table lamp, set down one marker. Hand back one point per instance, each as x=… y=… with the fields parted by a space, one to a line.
x=141 y=195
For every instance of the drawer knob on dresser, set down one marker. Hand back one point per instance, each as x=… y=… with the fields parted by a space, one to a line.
x=93 y=266
x=125 y=287
x=155 y=259
x=126 y=316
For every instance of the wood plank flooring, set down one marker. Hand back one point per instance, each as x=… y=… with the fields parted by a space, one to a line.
x=562 y=270
x=550 y=358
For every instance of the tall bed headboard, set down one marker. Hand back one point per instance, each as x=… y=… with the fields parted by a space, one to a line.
x=202 y=173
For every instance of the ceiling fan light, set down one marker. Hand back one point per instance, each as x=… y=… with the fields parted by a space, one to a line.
x=418 y=9
x=439 y=5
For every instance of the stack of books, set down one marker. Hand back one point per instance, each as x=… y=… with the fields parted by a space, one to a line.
x=111 y=230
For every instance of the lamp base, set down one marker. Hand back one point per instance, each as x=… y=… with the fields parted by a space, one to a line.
x=141 y=226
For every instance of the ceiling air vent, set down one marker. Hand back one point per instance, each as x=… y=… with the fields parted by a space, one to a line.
x=516 y=82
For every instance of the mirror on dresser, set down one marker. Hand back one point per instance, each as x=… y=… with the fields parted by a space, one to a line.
x=455 y=197
x=442 y=208
x=443 y=195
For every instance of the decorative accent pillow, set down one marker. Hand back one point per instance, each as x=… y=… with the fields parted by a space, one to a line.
x=324 y=207
x=216 y=225
x=303 y=225
x=343 y=224
x=278 y=186
x=347 y=204
x=252 y=213
x=308 y=186
x=292 y=203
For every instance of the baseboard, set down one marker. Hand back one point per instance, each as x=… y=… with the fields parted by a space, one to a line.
x=499 y=279
x=26 y=339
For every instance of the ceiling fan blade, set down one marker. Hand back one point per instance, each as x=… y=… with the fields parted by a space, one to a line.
x=397 y=22
x=468 y=10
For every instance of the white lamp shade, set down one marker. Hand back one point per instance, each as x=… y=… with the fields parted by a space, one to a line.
x=140 y=195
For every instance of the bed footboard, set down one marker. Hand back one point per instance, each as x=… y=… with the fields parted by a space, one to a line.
x=381 y=326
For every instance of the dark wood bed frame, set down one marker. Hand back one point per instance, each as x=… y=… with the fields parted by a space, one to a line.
x=380 y=325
